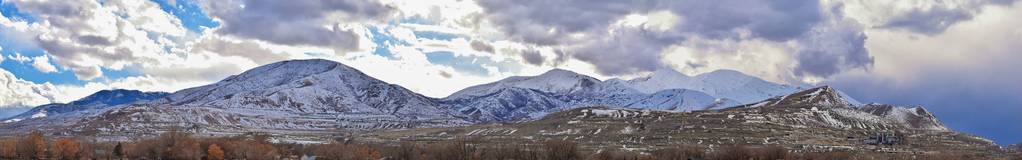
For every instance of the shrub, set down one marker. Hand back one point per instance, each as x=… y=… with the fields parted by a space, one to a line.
x=66 y=148
x=32 y=147
x=340 y=151
x=680 y=153
x=562 y=150
x=214 y=152
x=8 y=149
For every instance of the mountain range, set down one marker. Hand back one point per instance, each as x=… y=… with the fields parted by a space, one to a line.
x=324 y=97
x=810 y=121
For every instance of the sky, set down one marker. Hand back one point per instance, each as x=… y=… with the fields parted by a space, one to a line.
x=957 y=58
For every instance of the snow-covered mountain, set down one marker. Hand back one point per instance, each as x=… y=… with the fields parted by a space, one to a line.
x=295 y=95
x=557 y=81
x=727 y=84
x=914 y=117
x=99 y=100
x=826 y=106
x=531 y=97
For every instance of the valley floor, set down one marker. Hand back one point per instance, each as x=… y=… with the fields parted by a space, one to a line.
x=179 y=145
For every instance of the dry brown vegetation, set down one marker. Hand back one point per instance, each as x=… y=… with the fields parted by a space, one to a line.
x=178 y=145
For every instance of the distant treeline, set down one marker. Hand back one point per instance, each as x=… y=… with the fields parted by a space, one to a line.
x=182 y=146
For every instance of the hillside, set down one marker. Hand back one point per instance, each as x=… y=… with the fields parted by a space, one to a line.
x=817 y=119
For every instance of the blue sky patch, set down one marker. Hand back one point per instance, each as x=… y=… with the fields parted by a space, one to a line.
x=471 y=64
x=383 y=41
x=435 y=35
x=26 y=72
x=461 y=64
x=191 y=15
x=11 y=12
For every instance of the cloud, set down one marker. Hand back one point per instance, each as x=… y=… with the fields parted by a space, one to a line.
x=17 y=93
x=86 y=35
x=626 y=37
x=317 y=23
x=533 y=57
x=547 y=22
x=18 y=57
x=482 y=47
x=42 y=63
x=967 y=75
x=928 y=22
x=20 y=93
x=836 y=46
x=625 y=51
x=225 y=46
x=927 y=17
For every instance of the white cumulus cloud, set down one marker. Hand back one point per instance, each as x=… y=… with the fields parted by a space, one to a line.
x=42 y=63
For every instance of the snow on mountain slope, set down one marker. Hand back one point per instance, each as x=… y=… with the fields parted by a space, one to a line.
x=531 y=97
x=554 y=81
x=507 y=104
x=98 y=100
x=825 y=106
x=915 y=117
x=727 y=84
x=675 y=100
x=314 y=95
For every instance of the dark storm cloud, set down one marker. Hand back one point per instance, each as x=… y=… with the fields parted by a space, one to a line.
x=626 y=51
x=830 y=49
x=776 y=20
x=935 y=20
x=532 y=20
x=482 y=47
x=629 y=50
x=533 y=57
x=929 y=22
x=295 y=22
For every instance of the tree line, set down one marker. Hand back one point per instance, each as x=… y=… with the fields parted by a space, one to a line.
x=183 y=146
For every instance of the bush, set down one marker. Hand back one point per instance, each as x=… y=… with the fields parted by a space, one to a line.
x=8 y=149
x=614 y=154
x=66 y=148
x=455 y=150
x=340 y=151
x=32 y=147
x=562 y=150
x=214 y=152
x=680 y=153
x=510 y=152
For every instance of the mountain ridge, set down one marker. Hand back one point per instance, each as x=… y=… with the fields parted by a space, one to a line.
x=322 y=96
x=99 y=100
x=812 y=120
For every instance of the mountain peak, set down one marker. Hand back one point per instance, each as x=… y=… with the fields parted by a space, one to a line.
x=553 y=81
x=914 y=117
x=561 y=73
x=99 y=100
x=667 y=74
x=822 y=96
x=117 y=97
x=290 y=74
x=724 y=72
x=313 y=94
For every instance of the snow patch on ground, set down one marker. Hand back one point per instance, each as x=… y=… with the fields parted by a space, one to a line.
x=39 y=115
